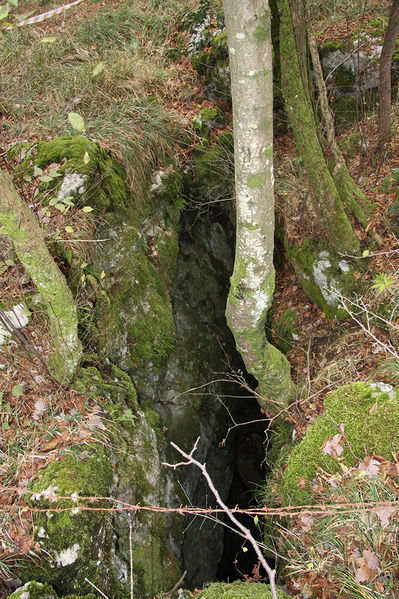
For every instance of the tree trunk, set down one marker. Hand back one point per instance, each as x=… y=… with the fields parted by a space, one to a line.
x=27 y=238
x=384 y=83
x=347 y=188
x=327 y=200
x=252 y=282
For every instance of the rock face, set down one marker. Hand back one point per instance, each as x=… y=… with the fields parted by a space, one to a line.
x=155 y=321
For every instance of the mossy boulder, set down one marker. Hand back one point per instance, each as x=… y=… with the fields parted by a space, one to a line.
x=324 y=275
x=240 y=590
x=89 y=543
x=137 y=439
x=76 y=541
x=369 y=413
x=89 y=175
x=34 y=590
x=38 y=590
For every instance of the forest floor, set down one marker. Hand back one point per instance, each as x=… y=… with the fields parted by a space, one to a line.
x=40 y=421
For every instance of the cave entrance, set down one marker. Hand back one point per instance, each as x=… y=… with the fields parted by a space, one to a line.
x=212 y=550
x=239 y=560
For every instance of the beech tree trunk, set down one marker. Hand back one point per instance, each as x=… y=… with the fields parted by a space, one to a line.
x=349 y=191
x=384 y=83
x=327 y=200
x=252 y=282
x=28 y=241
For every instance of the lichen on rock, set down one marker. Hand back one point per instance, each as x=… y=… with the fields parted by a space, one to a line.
x=325 y=276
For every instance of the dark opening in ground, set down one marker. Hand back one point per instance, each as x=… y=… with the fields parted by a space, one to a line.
x=239 y=559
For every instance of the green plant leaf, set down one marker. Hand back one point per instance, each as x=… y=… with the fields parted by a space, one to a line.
x=4 y=11
x=37 y=171
x=17 y=390
x=13 y=2
x=87 y=209
x=53 y=201
x=68 y=202
x=86 y=158
x=48 y=40
x=54 y=173
x=46 y=178
x=60 y=207
x=69 y=229
x=77 y=121
x=98 y=69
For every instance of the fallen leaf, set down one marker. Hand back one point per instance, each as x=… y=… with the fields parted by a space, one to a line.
x=333 y=447
x=371 y=558
x=96 y=422
x=40 y=408
x=306 y=522
x=384 y=514
x=301 y=484
x=370 y=466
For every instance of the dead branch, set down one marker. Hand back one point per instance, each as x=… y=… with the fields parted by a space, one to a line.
x=244 y=530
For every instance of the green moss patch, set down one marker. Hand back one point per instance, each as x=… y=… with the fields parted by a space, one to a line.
x=104 y=181
x=371 y=424
x=75 y=540
x=240 y=590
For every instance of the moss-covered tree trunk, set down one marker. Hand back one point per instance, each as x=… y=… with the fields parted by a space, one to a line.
x=384 y=83
x=28 y=241
x=252 y=282
x=349 y=191
x=327 y=200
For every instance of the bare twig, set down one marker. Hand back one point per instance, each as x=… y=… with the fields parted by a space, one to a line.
x=96 y=588
x=178 y=584
x=131 y=558
x=244 y=530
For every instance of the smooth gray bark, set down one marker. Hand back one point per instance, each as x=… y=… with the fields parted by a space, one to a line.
x=252 y=282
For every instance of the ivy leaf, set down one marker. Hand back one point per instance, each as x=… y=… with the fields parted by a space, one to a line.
x=77 y=121
x=53 y=173
x=37 y=171
x=17 y=391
